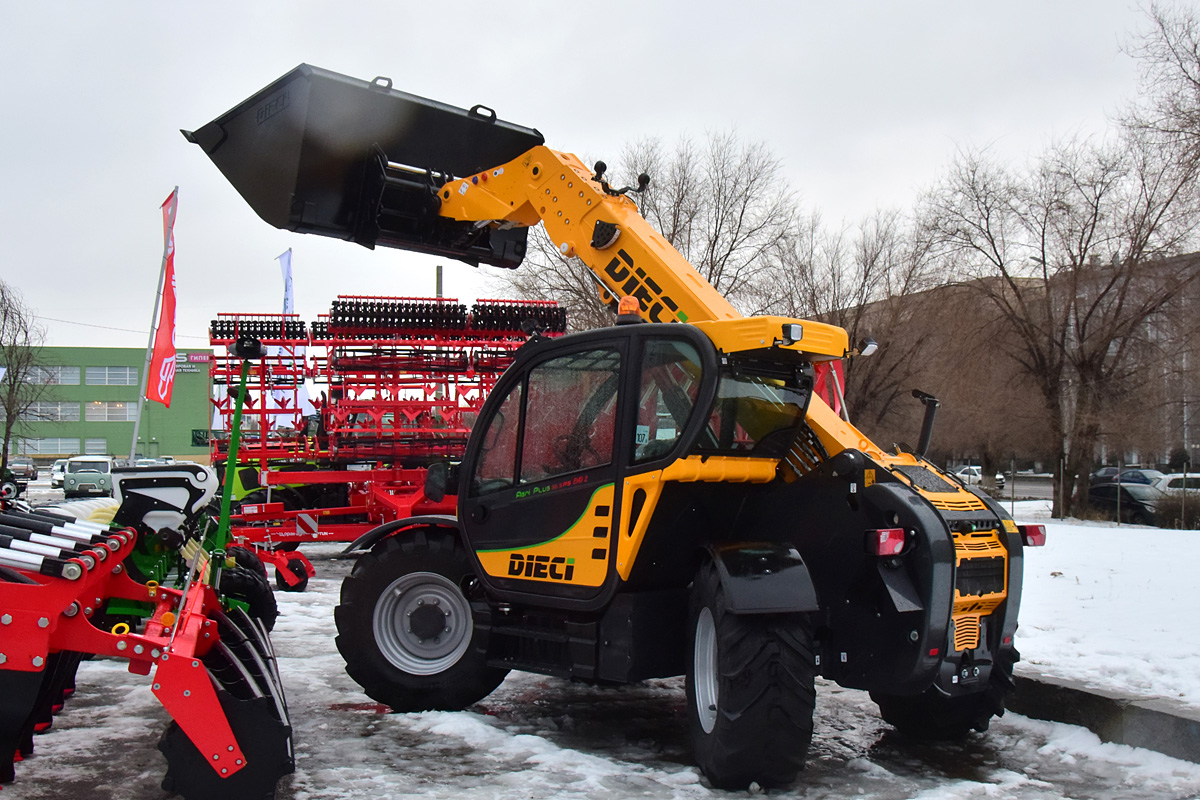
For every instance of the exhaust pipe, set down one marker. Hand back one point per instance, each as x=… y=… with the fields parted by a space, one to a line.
x=931 y=406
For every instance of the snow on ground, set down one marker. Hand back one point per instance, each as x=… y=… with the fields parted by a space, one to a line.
x=1112 y=606
x=1109 y=606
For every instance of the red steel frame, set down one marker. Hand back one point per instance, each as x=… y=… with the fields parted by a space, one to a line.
x=394 y=394
x=175 y=637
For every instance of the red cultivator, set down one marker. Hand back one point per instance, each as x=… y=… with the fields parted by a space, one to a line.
x=400 y=382
x=69 y=589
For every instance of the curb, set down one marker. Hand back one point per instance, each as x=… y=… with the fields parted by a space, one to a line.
x=1158 y=724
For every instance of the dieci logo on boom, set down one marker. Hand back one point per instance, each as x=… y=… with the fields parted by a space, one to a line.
x=557 y=568
x=643 y=287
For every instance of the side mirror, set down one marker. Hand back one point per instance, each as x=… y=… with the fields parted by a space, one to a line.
x=866 y=347
x=441 y=479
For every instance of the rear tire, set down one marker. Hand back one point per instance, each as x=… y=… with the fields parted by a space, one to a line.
x=405 y=627
x=934 y=717
x=750 y=692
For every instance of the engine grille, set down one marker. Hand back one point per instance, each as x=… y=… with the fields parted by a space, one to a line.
x=980 y=576
x=966 y=633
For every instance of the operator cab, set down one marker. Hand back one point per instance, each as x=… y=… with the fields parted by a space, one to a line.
x=579 y=430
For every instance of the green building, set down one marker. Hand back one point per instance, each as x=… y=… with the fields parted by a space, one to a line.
x=91 y=402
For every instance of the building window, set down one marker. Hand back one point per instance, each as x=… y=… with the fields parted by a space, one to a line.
x=111 y=411
x=63 y=376
x=53 y=412
x=95 y=447
x=112 y=376
x=54 y=447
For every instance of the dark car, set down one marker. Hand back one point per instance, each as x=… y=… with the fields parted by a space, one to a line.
x=10 y=488
x=1139 y=502
x=1133 y=475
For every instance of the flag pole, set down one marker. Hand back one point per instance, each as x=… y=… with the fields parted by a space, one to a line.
x=137 y=420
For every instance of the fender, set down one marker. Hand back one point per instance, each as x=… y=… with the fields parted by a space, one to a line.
x=371 y=537
x=764 y=578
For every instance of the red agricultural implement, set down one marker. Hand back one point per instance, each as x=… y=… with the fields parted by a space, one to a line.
x=164 y=599
x=398 y=383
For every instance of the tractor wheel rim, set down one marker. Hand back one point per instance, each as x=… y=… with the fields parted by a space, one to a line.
x=422 y=623
x=704 y=670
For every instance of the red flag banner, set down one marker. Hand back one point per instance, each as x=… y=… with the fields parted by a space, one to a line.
x=161 y=379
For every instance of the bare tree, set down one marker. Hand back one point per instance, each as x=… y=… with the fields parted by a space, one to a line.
x=865 y=280
x=1067 y=252
x=1169 y=56
x=725 y=207
x=20 y=345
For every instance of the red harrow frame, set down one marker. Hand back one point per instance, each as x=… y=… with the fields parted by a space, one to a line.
x=400 y=381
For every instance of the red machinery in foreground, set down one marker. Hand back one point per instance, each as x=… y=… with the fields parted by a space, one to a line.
x=69 y=589
x=400 y=382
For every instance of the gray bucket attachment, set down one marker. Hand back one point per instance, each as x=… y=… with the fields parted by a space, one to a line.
x=318 y=152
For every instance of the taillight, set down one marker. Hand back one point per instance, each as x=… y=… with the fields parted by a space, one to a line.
x=885 y=541
x=1033 y=535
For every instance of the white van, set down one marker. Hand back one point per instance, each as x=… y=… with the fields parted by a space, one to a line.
x=88 y=475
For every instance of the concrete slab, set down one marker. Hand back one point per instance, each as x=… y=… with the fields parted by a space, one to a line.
x=1163 y=725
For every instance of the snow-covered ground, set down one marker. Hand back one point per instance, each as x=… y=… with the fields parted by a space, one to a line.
x=1109 y=606
x=1113 y=606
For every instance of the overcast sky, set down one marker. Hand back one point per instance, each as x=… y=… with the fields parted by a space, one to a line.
x=864 y=102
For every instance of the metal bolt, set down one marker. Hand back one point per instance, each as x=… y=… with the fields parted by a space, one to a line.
x=977 y=672
x=187 y=692
x=43 y=622
x=38 y=661
x=118 y=569
x=87 y=612
x=3 y=658
x=216 y=757
x=446 y=629
x=158 y=686
x=238 y=762
x=121 y=645
x=206 y=635
x=71 y=610
x=137 y=648
x=195 y=663
x=435 y=601
x=913 y=636
x=224 y=771
x=420 y=602
x=154 y=653
x=230 y=749
x=6 y=619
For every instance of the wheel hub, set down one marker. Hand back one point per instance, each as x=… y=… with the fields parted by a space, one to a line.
x=704 y=670
x=422 y=623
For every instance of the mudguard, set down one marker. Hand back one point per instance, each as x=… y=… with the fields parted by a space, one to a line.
x=764 y=578
x=375 y=535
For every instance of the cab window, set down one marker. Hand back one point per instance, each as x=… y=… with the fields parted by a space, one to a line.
x=670 y=381
x=497 y=467
x=755 y=415
x=571 y=414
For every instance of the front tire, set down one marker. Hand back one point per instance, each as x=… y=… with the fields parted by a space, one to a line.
x=405 y=626
x=750 y=692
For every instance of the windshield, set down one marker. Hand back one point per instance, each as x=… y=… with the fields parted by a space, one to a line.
x=87 y=466
x=755 y=414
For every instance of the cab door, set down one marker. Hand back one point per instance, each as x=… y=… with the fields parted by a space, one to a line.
x=540 y=488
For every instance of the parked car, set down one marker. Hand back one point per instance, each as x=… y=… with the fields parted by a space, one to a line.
x=23 y=469
x=1144 y=476
x=56 y=473
x=1104 y=475
x=1138 y=501
x=1177 y=483
x=10 y=489
x=88 y=475
x=973 y=476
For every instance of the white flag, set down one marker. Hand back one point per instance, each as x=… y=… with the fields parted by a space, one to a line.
x=285 y=264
